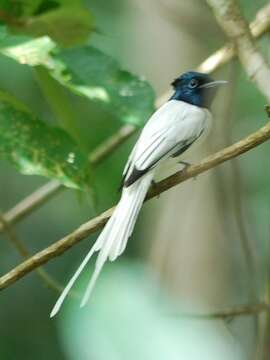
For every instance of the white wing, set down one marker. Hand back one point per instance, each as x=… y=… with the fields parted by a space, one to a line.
x=170 y=130
x=174 y=126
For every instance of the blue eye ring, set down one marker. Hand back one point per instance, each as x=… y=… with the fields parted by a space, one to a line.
x=193 y=83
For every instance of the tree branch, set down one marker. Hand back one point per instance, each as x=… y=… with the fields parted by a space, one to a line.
x=53 y=187
x=258 y=27
x=48 y=280
x=97 y=223
x=31 y=202
x=240 y=310
x=235 y=26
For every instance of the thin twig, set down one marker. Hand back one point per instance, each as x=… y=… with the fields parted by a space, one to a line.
x=264 y=344
x=240 y=310
x=53 y=187
x=236 y=190
x=31 y=202
x=97 y=223
x=258 y=27
x=112 y=143
x=48 y=280
x=234 y=25
x=237 y=29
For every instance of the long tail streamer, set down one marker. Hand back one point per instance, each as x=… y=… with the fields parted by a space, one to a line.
x=113 y=239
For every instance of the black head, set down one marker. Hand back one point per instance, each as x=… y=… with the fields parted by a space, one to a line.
x=195 y=88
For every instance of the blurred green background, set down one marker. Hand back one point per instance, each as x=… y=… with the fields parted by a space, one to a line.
x=188 y=250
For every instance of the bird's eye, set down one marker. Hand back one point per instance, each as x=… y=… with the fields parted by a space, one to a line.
x=193 y=83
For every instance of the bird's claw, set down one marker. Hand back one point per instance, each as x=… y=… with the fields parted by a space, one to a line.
x=185 y=163
x=154 y=186
x=186 y=166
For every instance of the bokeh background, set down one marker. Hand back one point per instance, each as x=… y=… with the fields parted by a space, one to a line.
x=189 y=250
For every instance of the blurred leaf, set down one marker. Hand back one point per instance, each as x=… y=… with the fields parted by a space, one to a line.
x=46 y=5
x=9 y=9
x=35 y=148
x=67 y=22
x=60 y=104
x=98 y=76
x=66 y=25
x=29 y=51
x=12 y=12
x=87 y=72
x=29 y=7
x=128 y=318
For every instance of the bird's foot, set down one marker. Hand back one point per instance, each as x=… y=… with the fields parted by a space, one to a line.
x=186 y=166
x=154 y=186
x=185 y=163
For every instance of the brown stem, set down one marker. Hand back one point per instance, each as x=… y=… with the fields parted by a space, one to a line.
x=229 y=16
x=97 y=223
x=240 y=310
x=48 y=280
x=237 y=29
x=53 y=187
x=258 y=27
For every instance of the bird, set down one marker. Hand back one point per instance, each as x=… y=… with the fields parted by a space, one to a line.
x=168 y=133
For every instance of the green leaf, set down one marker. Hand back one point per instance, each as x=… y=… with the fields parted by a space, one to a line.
x=14 y=13
x=87 y=72
x=99 y=77
x=29 y=7
x=10 y=9
x=36 y=148
x=66 y=22
x=26 y=50
x=67 y=26
x=60 y=104
x=38 y=7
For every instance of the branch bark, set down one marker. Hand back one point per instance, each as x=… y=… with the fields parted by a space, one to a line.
x=97 y=223
x=240 y=310
x=48 y=280
x=53 y=187
x=236 y=28
x=258 y=27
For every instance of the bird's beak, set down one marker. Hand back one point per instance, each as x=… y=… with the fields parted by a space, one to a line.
x=213 y=84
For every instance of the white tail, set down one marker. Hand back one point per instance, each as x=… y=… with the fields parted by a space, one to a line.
x=113 y=240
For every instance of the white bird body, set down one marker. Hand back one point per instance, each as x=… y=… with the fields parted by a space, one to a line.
x=174 y=125
x=170 y=130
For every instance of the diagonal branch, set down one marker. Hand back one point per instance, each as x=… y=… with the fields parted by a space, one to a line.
x=258 y=27
x=97 y=223
x=48 y=280
x=53 y=187
x=236 y=28
x=238 y=310
x=229 y=16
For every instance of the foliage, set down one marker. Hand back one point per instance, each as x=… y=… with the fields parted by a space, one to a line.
x=39 y=149
x=33 y=34
x=67 y=22
x=66 y=90
x=136 y=299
